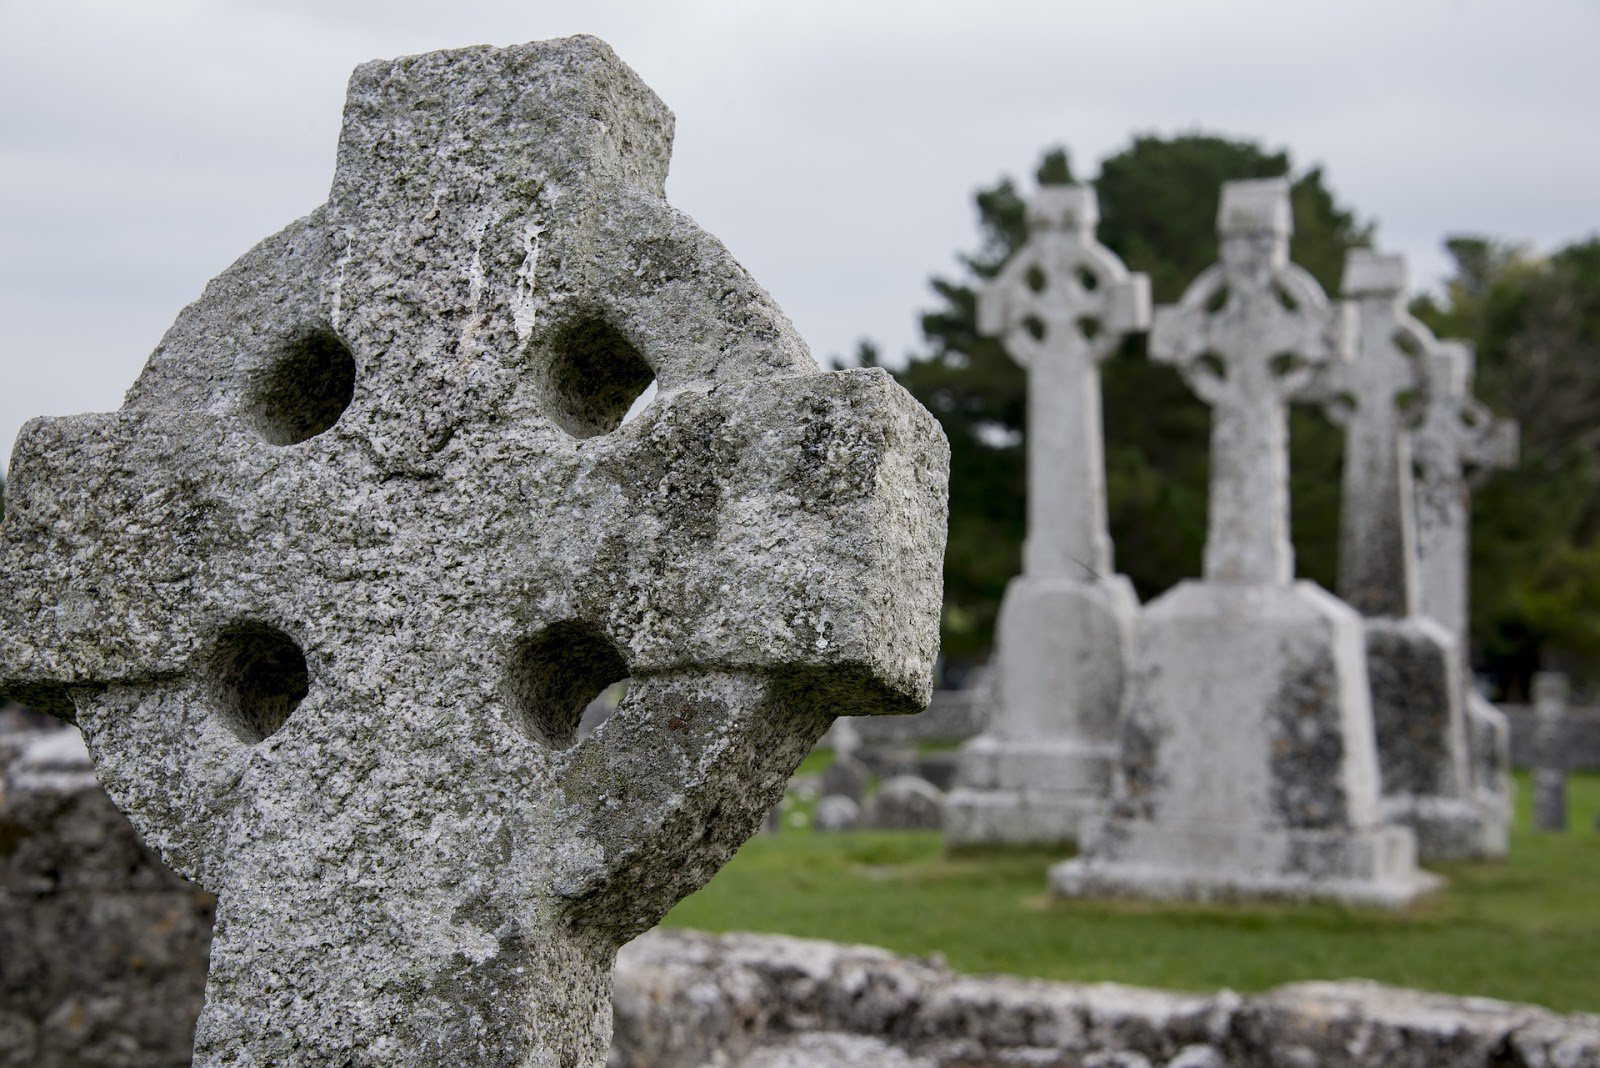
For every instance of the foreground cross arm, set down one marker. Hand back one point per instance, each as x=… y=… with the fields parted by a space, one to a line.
x=329 y=594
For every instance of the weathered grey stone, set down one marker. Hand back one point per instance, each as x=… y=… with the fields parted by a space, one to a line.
x=904 y=803
x=1248 y=765
x=329 y=594
x=1456 y=435
x=102 y=949
x=1414 y=664
x=835 y=812
x=686 y=999
x=1062 y=304
x=1550 y=770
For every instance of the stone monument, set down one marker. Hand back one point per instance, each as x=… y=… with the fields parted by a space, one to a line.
x=1247 y=765
x=1413 y=663
x=1062 y=304
x=1455 y=437
x=330 y=592
x=1550 y=761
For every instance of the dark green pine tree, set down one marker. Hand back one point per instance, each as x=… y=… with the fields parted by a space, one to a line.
x=1158 y=203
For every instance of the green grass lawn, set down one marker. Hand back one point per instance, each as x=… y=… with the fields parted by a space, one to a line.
x=1524 y=930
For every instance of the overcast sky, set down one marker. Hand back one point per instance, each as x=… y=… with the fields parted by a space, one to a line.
x=833 y=146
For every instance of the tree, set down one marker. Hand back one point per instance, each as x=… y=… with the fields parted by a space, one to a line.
x=1158 y=203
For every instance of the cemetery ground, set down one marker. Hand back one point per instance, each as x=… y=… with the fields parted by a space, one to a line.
x=1525 y=929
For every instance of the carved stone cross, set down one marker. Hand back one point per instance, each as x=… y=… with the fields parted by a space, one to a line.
x=1062 y=304
x=1375 y=396
x=329 y=593
x=1454 y=434
x=1247 y=336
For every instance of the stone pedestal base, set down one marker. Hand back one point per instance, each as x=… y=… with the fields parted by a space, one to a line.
x=1202 y=862
x=1247 y=766
x=1450 y=828
x=1420 y=719
x=1046 y=759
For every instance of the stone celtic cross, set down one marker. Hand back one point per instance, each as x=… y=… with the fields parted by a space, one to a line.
x=1062 y=304
x=1374 y=396
x=1248 y=335
x=328 y=595
x=1455 y=433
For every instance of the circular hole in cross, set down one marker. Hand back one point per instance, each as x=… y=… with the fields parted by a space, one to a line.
x=1088 y=280
x=1036 y=279
x=258 y=678
x=556 y=675
x=304 y=389
x=1035 y=327
x=594 y=377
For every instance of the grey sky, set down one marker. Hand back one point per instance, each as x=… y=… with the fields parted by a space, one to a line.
x=834 y=146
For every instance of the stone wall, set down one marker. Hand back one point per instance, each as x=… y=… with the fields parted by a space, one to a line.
x=1580 y=737
x=102 y=949
x=104 y=958
x=686 y=999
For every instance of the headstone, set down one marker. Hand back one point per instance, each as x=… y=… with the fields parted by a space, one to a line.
x=1550 y=767
x=904 y=803
x=1413 y=663
x=846 y=777
x=1455 y=436
x=835 y=812
x=1248 y=766
x=330 y=592
x=1061 y=305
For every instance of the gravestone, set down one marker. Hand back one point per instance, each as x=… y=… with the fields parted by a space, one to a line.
x=1456 y=437
x=1061 y=305
x=1247 y=765
x=330 y=592
x=1413 y=663
x=1550 y=761
x=904 y=803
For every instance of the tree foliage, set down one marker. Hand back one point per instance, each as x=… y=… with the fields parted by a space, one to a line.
x=1158 y=204
x=1536 y=528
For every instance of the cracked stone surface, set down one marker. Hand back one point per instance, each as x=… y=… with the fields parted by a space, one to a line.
x=328 y=595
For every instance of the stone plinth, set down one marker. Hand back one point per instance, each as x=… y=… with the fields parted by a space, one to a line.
x=1247 y=763
x=1045 y=762
x=330 y=593
x=1062 y=304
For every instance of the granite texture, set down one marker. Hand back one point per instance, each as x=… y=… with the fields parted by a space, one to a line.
x=329 y=594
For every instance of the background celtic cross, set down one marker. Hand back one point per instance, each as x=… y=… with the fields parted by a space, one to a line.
x=328 y=594
x=1062 y=304
x=1248 y=335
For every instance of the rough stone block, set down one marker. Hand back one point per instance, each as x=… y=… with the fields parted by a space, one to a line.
x=329 y=594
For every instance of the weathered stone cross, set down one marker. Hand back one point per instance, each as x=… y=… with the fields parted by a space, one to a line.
x=1063 y=304
x=1247 y=336
x=1373 y=396
x=1454 y=434
x=329 y=593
